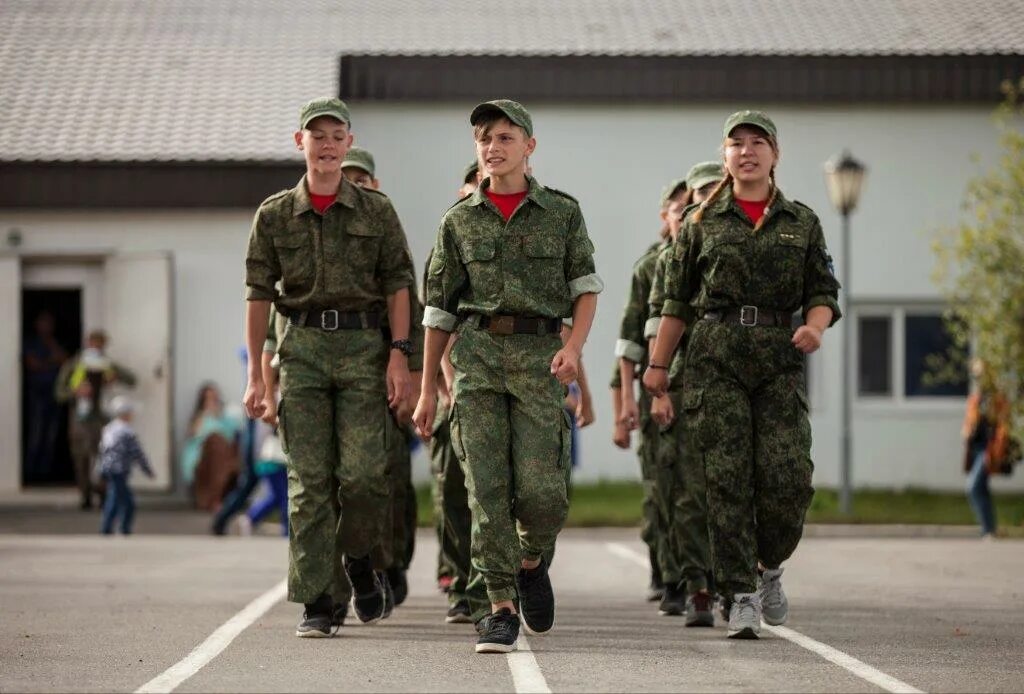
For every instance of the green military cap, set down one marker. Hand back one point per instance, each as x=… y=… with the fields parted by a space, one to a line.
x=359 y=158
x=513 y=110
x=671 y=189
x=471 y=171
x=759 y=119
x=704 y=173
x=324 y=106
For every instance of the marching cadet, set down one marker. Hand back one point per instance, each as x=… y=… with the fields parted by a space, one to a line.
x=746 y=260
x=631 y=352
x=342 y=259
x=682 y=502
x=510 y=262
x=360 y=169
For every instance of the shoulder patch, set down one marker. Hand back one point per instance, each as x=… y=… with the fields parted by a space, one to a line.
x=562 y=194
x=276 y=196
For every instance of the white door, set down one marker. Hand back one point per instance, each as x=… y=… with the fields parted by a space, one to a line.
x=10 y=373
x=138 y=322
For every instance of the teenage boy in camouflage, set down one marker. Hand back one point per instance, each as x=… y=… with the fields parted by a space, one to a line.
x=360 y=169
x=342 y=259
x=510 y=262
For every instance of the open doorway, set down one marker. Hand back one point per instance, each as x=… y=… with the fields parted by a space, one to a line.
x=51 y=330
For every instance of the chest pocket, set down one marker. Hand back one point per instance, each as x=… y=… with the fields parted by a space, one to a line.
x=725 y=260
x=295 y=254
x=538 y=246
x=478 y=256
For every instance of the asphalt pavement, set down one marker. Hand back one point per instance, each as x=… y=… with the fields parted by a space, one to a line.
x=88 y=613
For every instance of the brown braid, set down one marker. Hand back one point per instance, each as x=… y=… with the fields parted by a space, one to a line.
x=771 y=200
x=726 y=181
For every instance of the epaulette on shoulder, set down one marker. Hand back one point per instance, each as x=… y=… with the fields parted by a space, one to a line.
x=805 y=206
x=276 y=196
x=374 y=191
x=561 y=193
x=458 y=202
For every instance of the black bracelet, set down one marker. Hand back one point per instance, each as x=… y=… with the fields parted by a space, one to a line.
x=656 y=366
x=403 y=346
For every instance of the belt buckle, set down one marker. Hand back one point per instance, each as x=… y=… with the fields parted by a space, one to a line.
x=503 y=325
x=327 y=325
x=746 y=311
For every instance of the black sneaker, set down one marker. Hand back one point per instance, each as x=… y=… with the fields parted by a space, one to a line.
x=399 y=584
x=368 y=597
x=699 y=610
x=724 y=607
x=338 y=615
x=498 y=632
x=316 y=620
x=536 y=599
x=674 y=602
x=459 y=613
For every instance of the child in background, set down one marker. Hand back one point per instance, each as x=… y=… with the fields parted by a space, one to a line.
x=271 y=468
x=119 y=451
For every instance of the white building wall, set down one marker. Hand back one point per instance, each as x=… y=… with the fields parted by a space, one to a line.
x=615 y=159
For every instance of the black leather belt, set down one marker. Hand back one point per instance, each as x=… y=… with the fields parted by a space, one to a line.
x=332 y=319
x=520 y=325
x=750 y=316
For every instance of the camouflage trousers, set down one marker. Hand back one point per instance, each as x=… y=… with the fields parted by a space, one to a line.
x=403 y=496
x=650 y=524
x=452 y=509
x=84 y=442
x=746 y=414
x=333 y=423
x=684 y=554
x=514 y=440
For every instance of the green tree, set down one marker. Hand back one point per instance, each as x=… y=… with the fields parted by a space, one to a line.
x=981 y=263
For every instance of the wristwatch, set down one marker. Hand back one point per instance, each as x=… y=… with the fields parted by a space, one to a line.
x=403 y=346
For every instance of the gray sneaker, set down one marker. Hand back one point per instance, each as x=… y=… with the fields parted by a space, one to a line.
x=745 y=616
x=773 y=598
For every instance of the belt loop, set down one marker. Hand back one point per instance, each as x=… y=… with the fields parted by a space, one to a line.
x=363 y=320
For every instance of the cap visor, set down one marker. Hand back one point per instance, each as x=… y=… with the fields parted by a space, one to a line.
x=355 y=165
x=317 y=114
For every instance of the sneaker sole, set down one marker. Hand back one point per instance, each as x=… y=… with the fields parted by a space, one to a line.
x=494 y=648
x=744 y=633
x=670 y=613
x=313 y=634
x=530 y=630
x=774 y=621
x=460 y=619
x=703 y=619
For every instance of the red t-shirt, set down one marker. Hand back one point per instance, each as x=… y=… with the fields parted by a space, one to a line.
x=322 y=202
x=754 y=209
x=506 y=203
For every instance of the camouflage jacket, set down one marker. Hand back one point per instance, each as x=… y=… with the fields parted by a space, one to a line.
x=720 y=263
x=536 y=264
x=350 y=258
x=631 y=343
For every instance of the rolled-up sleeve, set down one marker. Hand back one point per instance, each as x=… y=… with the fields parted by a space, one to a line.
x=262 y=266
x=446 y=280
x=821 y=288
x=580 y=272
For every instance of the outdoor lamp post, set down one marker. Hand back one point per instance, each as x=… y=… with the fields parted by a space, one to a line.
x=844 y=177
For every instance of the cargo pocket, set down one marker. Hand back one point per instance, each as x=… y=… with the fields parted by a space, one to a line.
x=456 y=433
x=565 y=454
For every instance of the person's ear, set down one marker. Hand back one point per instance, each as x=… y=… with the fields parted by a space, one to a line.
x=531 y=145
x=298 y=139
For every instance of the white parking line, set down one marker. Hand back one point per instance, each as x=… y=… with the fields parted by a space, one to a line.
x=526 y=675
x=216 y=642
x=847 y=662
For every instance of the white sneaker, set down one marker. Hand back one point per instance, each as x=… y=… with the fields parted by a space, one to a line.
x=745 y=616
x=774 y=604
x=243 y=524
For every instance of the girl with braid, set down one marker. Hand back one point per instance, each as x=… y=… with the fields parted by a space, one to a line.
x=746 y=260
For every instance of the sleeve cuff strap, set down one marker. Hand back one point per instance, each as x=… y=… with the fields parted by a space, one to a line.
x=629 y=350
x=434 y=317
x=651 y=327
x=588 y=284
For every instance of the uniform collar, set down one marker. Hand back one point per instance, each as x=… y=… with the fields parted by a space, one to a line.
x=536 y=192
x=726 y=202
x=346 y=196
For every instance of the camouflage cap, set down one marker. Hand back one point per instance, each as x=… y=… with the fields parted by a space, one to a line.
x=359 y=158
x=470 y=171
x=513 y=110
x=704 y=173
x=324 y=106
x=759 y=119
x=671 y=189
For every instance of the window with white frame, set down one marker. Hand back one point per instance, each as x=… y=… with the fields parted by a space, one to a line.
x=894 y=346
